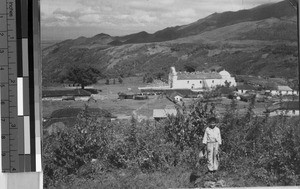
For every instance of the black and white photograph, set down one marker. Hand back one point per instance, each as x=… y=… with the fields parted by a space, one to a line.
x=169 y=93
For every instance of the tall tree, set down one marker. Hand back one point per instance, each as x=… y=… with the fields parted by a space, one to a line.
x=107 y=81
x=120 y=80
x=83 y=75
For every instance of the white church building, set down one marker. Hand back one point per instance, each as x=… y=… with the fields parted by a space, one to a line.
x=199 y=80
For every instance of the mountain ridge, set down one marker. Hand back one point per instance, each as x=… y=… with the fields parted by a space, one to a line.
x=236 y=41
x=213 y=21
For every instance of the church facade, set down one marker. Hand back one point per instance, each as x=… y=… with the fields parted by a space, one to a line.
x=199 y=80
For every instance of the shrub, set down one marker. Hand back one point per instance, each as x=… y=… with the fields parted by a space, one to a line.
x=186 y=129
x=263 y=149
x=66 y=151
x=279 y=151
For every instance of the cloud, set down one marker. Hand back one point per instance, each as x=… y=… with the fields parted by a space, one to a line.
x=186 y=13
x=69 y=14
x=134 y=15
x=148 y=6
x=90 y=18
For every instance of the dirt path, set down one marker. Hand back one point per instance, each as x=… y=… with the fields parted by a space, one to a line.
x=134 y=112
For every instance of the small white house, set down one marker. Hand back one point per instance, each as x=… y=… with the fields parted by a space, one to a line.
x=285 y=90
x=178 y=98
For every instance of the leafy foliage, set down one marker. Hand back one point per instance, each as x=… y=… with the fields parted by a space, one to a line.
x=186 y=129
x=148 y=78
x=261 y=150
x=83 y=75
x=67 y=151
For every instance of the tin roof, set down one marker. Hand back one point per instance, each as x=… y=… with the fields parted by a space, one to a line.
x=284 y=88
x=163 y=113
x=198 y=75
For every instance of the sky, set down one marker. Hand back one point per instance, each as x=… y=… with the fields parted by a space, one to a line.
x=69 y=19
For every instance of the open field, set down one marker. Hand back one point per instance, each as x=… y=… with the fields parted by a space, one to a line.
x=120 y=108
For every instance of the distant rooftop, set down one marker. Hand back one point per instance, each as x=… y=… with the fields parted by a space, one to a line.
x=163 y=113
x=175 y=93
x=284 y=88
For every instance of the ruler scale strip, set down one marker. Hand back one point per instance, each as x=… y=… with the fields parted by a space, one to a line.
x=30 y=69
x=37 y=85
x=20 y=86
x=12 y=87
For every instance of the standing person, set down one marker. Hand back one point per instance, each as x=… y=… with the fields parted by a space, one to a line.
x=212 y=140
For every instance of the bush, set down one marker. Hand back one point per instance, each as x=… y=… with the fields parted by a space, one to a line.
x=263 y=149
x=279 y=151
x=65 y=152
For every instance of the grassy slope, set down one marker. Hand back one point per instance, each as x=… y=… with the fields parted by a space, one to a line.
x=176 y=177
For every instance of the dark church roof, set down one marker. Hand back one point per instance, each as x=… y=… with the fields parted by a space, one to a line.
x=74 y=112
x=67 y=92
x=290 y=105
x=198 y=75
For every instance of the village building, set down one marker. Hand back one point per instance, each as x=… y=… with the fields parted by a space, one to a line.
x=199 y=80
x=175 y=96
x=129 y=95
x=281 y=90
x=285 y=108
x=178 y=98
x=271 y=90
x=244 y=88
x=285 y=90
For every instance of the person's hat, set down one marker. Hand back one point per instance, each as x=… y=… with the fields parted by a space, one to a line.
x=202 y=154
x=212 y=119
